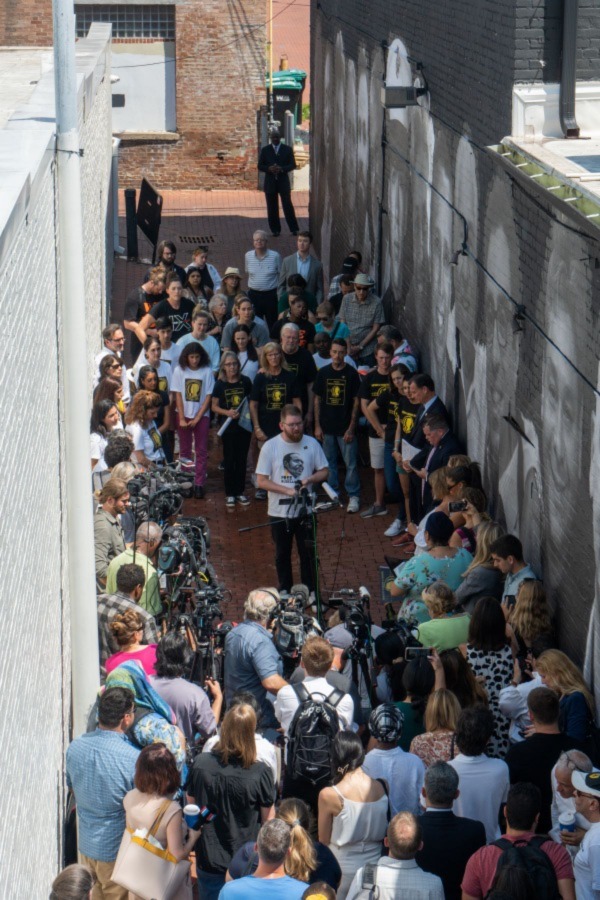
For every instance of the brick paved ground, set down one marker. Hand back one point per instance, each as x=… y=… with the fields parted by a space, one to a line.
x=350 y=548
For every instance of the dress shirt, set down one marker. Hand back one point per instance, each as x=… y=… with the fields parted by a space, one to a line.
x=100 y=769
x=303 y=266
x=360 y=316
x=484 y=784
x=400 y=878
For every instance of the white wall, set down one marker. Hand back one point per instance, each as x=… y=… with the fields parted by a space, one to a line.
x=147 y=73
x=34 y=621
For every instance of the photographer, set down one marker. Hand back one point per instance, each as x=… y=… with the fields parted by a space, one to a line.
x=288 y=466
x=251 y=660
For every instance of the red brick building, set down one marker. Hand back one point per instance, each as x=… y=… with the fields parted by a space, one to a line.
x=191 y=84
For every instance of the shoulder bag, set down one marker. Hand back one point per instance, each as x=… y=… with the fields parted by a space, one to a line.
x=147 y=870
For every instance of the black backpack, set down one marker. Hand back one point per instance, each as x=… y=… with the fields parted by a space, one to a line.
x=313 y=728
x=528 y=856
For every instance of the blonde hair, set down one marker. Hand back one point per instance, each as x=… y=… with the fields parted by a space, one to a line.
x=227 y=356
x=459 y=460
x=125 y=625
x=268 y=348
x=566 y=677
x=301 y=860
x=438 y=483
x=237 y=742
x=487 y=533
x=531 y=616
x=438 y=598
x=124 y=470
x=442 y=711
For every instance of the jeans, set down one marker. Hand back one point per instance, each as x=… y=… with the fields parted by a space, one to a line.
x=349 y=452
x=392 y=482
x=209 y=885
x=199 y=435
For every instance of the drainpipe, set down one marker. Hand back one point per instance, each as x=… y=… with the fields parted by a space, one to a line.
x=382 y=210
x=74 y=365
x=568 y=74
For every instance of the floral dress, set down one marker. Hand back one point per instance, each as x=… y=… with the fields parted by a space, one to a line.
x=495 y=667
x=420 y=571
x=434 y=746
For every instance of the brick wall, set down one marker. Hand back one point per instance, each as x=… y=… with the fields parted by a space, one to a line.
x=541 y=485
x=220 y=87
x=26 y=23
x=35 y=672
x=539 y=39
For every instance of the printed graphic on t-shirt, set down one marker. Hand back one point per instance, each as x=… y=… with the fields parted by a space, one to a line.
x=163 y=384
x=154 y=435
x=408 y=420
x=393 y=410
x=179 y=321
x=293 y=368
x=377 y=389
x=294 y=466
x=193 y=389
x=234 y=396
x=276 y=396
x=335 y=392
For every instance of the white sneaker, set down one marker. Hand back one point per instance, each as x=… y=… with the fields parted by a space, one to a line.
x=396 y=528
x=353 y=505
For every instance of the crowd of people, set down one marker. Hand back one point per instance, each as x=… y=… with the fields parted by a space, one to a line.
x=458 y=760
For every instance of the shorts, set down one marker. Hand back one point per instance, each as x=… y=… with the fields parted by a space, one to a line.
x=376 y=451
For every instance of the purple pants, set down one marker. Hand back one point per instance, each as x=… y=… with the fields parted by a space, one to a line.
x=199 y=435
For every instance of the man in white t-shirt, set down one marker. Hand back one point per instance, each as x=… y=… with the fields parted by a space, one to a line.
x=587 y=862
x=289 y=465
x=484 y=782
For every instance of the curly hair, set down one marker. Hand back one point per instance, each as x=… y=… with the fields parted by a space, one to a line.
x=141 y=403
x=531 y=616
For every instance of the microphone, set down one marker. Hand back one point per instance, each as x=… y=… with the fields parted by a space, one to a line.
x=301 y=590
x=364 y=593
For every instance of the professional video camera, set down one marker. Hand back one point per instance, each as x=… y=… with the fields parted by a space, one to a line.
x=354 y=609
x=292 y=625
x=158 y=495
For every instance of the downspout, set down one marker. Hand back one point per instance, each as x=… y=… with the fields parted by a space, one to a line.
x=382 y=210
x=568 y=71
x=73 y=359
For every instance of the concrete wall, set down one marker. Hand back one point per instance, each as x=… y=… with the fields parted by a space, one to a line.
x=35 y=672
x=542 y=479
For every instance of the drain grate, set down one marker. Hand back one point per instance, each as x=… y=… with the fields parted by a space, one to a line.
x=195 y=239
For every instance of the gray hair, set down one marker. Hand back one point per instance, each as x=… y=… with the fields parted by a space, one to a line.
x=273 y=841
x=441 y=784
x=574 y=761
x=260 y=233
x=148 y=533
x=125 y=470
x=290 y=326
x=217 y=298
x=260 y=604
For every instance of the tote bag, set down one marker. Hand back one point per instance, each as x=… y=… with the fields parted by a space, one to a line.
x=147 y=870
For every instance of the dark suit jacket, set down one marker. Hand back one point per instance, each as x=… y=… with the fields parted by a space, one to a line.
x=416 y=437
x=448 y=843
x=447 y=447
x=276 y=184
x=314 y=282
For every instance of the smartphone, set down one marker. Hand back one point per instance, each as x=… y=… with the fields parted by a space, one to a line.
x=417 y=652
x=510 y=600
x=457 y=505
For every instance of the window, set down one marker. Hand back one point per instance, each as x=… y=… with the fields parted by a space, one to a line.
x=128 y=21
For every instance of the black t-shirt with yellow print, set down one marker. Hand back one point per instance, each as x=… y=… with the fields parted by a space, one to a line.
x=231 y=395
x=272 y=393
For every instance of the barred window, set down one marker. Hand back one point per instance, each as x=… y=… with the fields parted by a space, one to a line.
x=128 y=21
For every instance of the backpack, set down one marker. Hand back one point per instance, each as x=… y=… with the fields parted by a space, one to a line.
x=528 y=856
x=314 y=726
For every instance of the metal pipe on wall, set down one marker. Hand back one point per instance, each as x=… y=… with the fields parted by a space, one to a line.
x=568 y=70
x=80 y=532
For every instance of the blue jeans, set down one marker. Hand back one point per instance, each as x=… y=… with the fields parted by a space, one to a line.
x=209 y=885
x=392 y=482
x=331 y=442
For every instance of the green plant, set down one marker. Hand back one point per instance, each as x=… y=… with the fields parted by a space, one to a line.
x=306 y=112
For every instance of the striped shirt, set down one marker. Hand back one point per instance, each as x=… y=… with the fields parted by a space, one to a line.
x=360 y=316
x=263 y=274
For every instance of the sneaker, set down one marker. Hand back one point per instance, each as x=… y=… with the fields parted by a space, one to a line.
x=396 y=528
x=230 y=502
x=259 y=494
x=353 y=505
x=404 y=538
x=374 y=510
x=198 y=492
x=241 y=498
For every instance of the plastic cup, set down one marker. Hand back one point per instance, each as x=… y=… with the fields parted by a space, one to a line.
x=566 y=822
x=191 y=814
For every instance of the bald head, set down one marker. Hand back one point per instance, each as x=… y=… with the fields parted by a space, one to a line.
x=404 y=836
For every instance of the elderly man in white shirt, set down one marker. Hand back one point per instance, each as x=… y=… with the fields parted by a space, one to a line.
x=563 y=799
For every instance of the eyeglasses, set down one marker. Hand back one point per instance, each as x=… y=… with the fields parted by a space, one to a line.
x=292 y=424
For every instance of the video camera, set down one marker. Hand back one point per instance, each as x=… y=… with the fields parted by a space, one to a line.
x=292 y=626
x=158 y=495
x=354 y=611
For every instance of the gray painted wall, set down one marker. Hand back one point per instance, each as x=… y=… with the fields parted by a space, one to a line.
x=545 y=487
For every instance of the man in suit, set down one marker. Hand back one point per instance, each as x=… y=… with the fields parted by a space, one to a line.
x=448 y=840
x=422 y=392
x=276 y=160
x=440 y=446
x=302 y=263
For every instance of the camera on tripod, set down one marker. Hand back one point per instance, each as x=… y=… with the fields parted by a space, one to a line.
x=292 y=626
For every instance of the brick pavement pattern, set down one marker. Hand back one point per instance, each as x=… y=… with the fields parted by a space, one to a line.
x=350 y=548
